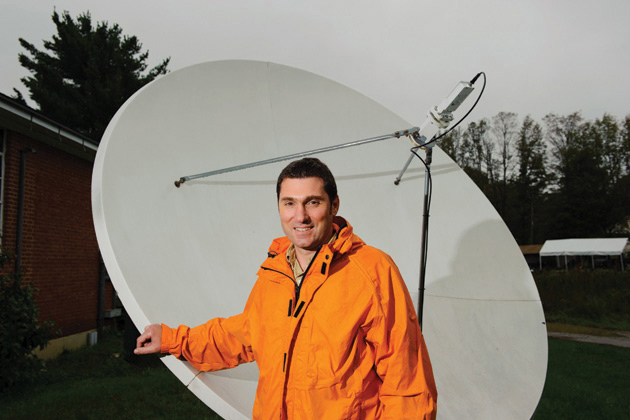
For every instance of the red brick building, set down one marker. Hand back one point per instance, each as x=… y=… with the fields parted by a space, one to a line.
x=51 y=167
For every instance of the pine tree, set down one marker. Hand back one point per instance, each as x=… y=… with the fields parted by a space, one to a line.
x=86 y=73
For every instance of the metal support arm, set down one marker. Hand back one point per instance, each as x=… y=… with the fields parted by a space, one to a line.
x=396 y=134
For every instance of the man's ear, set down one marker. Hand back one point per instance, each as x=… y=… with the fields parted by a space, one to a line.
x=334 y=208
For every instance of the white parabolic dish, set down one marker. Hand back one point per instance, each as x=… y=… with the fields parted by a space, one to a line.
x=185 y=255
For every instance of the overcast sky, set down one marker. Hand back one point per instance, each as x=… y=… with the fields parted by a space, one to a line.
x=540 y=56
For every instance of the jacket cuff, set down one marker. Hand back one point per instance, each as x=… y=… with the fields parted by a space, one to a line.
x=167 y=339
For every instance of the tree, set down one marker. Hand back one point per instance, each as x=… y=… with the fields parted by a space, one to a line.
x=612 y=138
x=473 y=144
x=530 y=180
x=87 y=73
x=478 y=160
x=563 y=132
x=580 y=202
x=625 y=142
x=605 y=131
x=620 y=206
x=451 y=145
x=505 y=130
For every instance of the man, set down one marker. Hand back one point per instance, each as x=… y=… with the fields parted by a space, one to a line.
x=329 y=322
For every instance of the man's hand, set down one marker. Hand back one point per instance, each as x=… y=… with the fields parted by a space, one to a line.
x=150 y=341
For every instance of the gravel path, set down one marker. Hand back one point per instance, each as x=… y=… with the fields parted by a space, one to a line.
x=623 y=340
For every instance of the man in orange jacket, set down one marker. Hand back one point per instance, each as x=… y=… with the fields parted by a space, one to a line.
x=329 y=321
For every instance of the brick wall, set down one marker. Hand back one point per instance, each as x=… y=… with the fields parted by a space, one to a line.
x=59 y=252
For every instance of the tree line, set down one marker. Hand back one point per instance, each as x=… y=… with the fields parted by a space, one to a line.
x=565 y=178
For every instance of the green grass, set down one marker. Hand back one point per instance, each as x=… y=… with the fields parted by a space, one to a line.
x=584 y=381
x=97 y=383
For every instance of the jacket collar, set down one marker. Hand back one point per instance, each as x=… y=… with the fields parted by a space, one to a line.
x=346 y=240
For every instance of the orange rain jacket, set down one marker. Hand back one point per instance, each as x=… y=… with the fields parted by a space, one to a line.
x=344 y=345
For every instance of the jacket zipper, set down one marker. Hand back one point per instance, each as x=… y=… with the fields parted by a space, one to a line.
x=297 y=286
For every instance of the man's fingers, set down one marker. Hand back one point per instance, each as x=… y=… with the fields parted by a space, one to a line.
x=143 y=350
x=149 y=341
x=144 y=344
x=141 y=339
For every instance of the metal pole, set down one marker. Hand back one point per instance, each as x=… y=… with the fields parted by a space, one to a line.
x=425 y=232
x=396 y=134
x=404 y=169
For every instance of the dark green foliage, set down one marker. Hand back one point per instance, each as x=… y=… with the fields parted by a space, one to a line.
x=592 y=296
x=20 y=330
x=87 y=73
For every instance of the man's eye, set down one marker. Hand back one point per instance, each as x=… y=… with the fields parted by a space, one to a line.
x=313 y=202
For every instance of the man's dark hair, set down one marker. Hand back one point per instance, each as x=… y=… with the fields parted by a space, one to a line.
x=307 y=168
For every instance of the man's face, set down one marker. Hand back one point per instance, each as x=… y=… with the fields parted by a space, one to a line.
x=306 y=213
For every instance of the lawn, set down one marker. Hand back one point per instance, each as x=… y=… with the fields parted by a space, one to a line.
x=98 y=383
x=583 y=381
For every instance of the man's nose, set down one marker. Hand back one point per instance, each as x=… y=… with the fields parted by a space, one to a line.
x=301 y=214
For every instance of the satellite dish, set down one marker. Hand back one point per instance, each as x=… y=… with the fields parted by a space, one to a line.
x=185 y=255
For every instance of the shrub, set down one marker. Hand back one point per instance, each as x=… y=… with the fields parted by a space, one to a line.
x=592 y=295
x=20 y=330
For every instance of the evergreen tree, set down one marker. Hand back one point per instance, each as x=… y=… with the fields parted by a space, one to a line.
x=87 y=73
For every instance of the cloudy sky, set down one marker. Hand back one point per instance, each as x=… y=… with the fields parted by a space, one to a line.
x=540 y=56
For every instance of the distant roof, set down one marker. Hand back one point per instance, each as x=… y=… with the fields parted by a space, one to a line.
x=530 y=249
x=594 y=246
